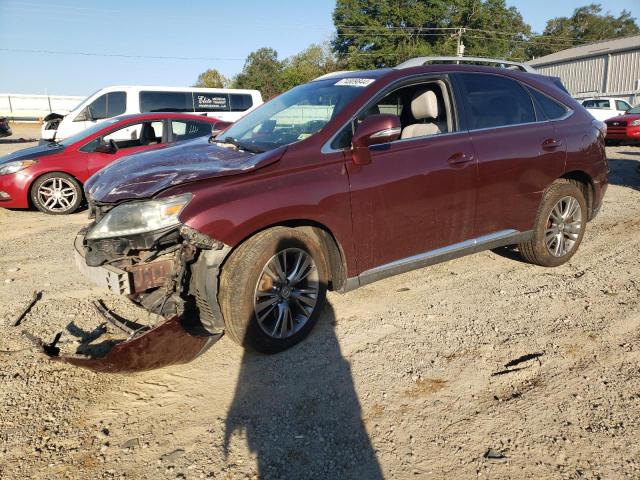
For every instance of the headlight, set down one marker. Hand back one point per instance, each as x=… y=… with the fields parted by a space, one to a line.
x=140 y=217
x=13 y=167
x=635 y=123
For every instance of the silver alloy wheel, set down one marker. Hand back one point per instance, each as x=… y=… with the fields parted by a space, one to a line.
x=57 y=194
x=563 y=226
x=286 y=293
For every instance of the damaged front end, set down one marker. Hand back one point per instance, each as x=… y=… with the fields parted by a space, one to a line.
x=141 y=250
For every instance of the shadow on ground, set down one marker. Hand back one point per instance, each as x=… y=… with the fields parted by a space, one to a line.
x=625 y=173
x=9 y=141
x=300 y=412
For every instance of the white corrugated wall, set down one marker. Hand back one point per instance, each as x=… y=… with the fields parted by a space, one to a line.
x=579 y=76
x=624 y=68
x=586 y=76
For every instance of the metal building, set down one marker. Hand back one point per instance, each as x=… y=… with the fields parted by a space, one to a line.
x=607 y=68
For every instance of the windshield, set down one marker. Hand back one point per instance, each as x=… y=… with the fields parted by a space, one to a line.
x=635 y=109
x=293 y=116
x=87 y=132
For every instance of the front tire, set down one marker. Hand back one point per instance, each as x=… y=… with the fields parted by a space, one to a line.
x=559 y=228
x=272 y=289
x=56 y=193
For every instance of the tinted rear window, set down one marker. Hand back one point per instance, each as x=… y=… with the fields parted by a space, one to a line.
x=596 y=104
x=551 y=109
x=495 y=101
x=240 y=102
x=166 y=102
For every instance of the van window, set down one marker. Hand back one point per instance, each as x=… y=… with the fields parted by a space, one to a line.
x=495 y=101
x=551 y=109
x=211 y=102
x=116 y=103
x=98 y=108
x=240 y=102
x=166 y=102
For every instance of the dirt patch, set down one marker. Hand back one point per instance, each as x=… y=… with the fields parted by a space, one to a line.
x=396 y=381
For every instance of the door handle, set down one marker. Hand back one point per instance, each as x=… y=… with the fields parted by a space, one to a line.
x=459 y=159
x=551 y=144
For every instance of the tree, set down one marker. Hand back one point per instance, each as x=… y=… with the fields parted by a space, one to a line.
x=311 y=63
x=211 y=78
x=586 y=25
x=382 y=33
x=262 y=71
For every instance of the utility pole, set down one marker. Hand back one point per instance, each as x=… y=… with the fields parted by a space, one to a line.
x=460 y=48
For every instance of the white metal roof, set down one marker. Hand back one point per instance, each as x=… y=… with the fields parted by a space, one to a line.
x=591 y=50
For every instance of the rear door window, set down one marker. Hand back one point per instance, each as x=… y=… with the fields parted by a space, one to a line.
x=211 y=102
x=240 y=102
x=166 y=102
x=188 y=129
x=495 y=101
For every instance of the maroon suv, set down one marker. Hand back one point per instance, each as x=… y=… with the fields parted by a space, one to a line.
x=341 y=182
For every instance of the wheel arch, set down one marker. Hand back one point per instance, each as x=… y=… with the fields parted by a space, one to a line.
x=335 y=256
x=584 y=181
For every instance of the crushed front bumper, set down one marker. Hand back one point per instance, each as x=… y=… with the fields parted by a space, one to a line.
x=114 y=279
x=177 y=338
x=172 y=342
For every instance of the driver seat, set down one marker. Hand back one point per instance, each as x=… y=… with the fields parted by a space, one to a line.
x=147 y=135
x=424 y=106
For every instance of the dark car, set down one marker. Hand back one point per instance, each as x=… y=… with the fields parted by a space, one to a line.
x=341 y=182
x=624 y=129
x=5 y=128
x=50 y=176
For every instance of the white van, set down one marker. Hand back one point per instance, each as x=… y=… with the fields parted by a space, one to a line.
x=222 y=103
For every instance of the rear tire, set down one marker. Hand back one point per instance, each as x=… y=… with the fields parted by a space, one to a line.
x=559 y=226
x=56 y=193
x=272 y=288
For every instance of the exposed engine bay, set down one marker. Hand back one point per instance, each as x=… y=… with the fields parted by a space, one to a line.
x=163 y=272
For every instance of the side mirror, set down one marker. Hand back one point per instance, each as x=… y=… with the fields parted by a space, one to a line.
x=374 y=130
x=104 y=147
x=219 y=127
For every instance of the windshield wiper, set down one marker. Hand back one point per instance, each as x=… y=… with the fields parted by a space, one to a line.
x=239 y=145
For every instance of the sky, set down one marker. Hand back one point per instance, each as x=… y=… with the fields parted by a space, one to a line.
x=203 y=34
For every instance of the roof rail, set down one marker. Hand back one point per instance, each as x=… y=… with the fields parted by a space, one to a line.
x=419 y=61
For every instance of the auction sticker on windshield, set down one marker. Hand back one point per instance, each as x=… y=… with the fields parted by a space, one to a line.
x=355 y=82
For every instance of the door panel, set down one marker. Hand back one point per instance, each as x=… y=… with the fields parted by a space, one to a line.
x=98 y=161
x=515 y=165
x=416 y=195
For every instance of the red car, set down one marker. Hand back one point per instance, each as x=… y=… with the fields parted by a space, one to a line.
x=335 y=184
x=625 y=128
x=50 y=177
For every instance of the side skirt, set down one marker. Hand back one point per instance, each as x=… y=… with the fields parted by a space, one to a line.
x=439 y=255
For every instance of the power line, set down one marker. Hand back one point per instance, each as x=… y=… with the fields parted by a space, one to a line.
x=118 y=55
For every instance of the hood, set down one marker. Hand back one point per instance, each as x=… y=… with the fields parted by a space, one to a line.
x=628 y=118
x=145 y=174
x=32 y=152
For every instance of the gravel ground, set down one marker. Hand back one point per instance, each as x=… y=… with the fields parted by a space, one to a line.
x=403 y=378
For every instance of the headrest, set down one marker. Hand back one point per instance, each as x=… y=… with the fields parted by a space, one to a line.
x=424 y=105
